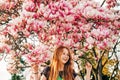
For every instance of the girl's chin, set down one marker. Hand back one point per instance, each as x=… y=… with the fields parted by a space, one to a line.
x=64 y=62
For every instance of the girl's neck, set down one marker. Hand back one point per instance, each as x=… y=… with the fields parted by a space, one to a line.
x=61 y=67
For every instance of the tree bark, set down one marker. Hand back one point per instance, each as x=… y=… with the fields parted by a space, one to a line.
x=99 y=75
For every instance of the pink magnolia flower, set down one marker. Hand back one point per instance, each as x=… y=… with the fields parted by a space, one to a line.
x=117 y=24
x=69 y=18
x=38 y=55
x=111 y=3
x=69 y=42
x=27 y=15
x=59 y=42
x=100 y=34
x=7 y=5
x=67 y=27
x=100 y=46
x=114 y=38
x=90 y=40
x=14 y=63
x=7 y=48
x=105 y=44
x=30 y=6
x=95 y=32
x=11 y=68
x=85 y=28
x=26 y=33
x=1 y=48
x=90 y=12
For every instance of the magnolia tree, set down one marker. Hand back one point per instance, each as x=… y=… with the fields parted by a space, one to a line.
x=89 y=28
x=9 y=9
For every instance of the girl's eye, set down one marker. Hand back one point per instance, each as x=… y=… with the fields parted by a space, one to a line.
x=64 y=53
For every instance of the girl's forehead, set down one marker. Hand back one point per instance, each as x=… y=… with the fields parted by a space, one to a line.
x=65 y=50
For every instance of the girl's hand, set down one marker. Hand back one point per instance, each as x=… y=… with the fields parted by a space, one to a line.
x=34 y=68
x=35 y=71
x=88 y=67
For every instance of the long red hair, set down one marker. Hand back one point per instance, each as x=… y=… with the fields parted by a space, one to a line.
x=55 y=65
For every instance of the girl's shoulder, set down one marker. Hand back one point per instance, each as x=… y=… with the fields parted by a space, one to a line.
x=74 y=74
x=46 y=71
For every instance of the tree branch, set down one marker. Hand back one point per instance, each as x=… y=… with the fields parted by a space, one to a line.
x=102 y=3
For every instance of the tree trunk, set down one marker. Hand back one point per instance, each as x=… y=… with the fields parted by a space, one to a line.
x=99 y=75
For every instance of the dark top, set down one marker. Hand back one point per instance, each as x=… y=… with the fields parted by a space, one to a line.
x=46 y=72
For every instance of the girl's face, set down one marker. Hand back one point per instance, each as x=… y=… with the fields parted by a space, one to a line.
x=64 y=56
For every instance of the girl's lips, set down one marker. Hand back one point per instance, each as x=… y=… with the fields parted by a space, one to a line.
x=65 y=59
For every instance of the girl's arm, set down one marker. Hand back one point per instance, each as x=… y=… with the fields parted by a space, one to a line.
x=35 y=72
x=88 y=73
x=36 y=76
x=88 y=69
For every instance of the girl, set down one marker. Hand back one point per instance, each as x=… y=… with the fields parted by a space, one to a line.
x=61 y=67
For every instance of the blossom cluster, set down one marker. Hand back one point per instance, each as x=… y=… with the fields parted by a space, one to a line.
x=80 y=24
